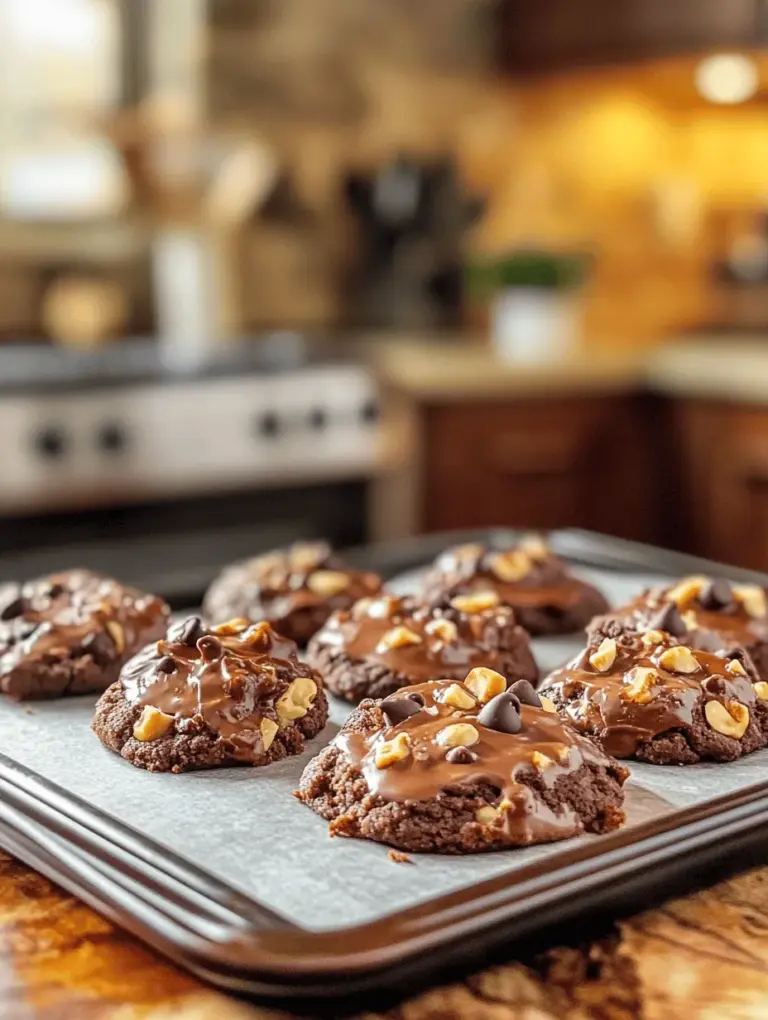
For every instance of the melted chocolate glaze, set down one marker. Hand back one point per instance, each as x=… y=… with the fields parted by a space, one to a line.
x=497 y=759
x=72 y=613
x=227 y=678
x=432 y=652
x=602 y=703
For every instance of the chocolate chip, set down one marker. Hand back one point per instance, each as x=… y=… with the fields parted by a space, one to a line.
x=13 y=607
x=461 y=756
x=55 y=590
x=524 y=692
x=100 y=647
x=716 y=594
x=166 y=665
x=669 y=619
x=210 y=648
x=502 y=713
x=417 y=698
x=398 y=708
x=188 y=632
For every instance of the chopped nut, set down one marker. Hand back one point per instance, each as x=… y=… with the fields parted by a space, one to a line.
x=457 y=697
x=731 y=720
x=541 y=761
x=268 y=729
x=152 y=724
x=639 y=687
x=117 y=634
x=686 y=591
x=511 y=566
x=547 y=704
x=398 y=637
x=305 y=555
x=735 y=668
x=679 y=659
x=230 y=627
x=294 y=704
x=444 y=629
x=605 y=656
x=761 y=690
x=458 y=735
x=485 y=683
x=476 y=602
x=258 y=633
x=752 y=597
x=535 y=547
x=327 y=582
x=381 y=608
x=652 y=637
x=393 y=750
x=398 y=858
x=564 y=755
x=486 y=815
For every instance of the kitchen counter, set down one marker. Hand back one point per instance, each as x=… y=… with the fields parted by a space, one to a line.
x=721 y=368
x=699 y=957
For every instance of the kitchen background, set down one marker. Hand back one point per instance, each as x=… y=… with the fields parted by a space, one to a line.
x=273 y=269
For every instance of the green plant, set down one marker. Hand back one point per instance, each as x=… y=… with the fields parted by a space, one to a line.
x=528 y=268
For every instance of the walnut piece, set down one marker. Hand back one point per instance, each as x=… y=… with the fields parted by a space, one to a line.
x=541 y=761
x=731 y=720
x=397 y=637
x=268 y=729
x=761 y=690
x=485 y=683
x=232 y=627
x=547 y=704
x=735 y=668
x=639 y=688
x=752 y=597
x=685 y=591
x=457 y=697
x=152 y=724
x=511 y=566
x=651 y=637
x=605 y=656
x=679 y=659
x=486 y=815
x=458 y=735
x=295 y=702
x=327 y=582
x=445 y=630
x=117 y=634
x=476 y=601
x=391 y=751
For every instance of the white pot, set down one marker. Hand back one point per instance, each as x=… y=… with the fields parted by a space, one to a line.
x=532 y=324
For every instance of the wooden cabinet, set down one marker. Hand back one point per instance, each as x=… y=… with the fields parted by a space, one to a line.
x=552 y=34
x=543 y=463
x=722 y=450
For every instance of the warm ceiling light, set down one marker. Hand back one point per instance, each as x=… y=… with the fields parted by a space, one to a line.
x=727 y=78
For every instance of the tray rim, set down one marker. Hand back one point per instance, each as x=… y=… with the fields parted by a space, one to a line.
x=269 y=951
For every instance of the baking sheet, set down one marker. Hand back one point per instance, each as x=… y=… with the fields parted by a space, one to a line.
x=244 y=826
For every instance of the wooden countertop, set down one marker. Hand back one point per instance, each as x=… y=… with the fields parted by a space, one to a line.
x=704 y=957
x=731 y=369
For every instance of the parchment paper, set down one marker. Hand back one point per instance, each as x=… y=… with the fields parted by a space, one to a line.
x=243 y=825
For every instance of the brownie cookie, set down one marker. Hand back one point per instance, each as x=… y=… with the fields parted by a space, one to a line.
x=235 y=694
x=645 y=695
x=295 y=589
x=706 y=612
x=463 y=767
x=546 y=598
x=386 y=643
x=70 y=632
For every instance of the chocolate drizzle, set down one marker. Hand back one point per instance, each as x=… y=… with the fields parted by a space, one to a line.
x=75 y=613
x=543 y=749
x=623 y=707
x=227 y=681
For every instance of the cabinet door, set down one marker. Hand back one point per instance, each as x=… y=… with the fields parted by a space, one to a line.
x=541 y=464
x=724 y=453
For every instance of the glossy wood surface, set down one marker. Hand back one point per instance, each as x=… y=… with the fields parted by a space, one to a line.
x=701 y=957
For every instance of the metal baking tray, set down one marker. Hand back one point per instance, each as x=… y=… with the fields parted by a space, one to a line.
x=226 y=873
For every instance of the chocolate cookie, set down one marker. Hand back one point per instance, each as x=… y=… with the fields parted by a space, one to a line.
x=386 y=643
x=706 y=612
x=463 y=767
x=235 y=694
x=645 y=695
x=70 y=632
x=546 y=598
x=295 y=589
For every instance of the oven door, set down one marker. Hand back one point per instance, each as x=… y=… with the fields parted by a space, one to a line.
x=175 y=548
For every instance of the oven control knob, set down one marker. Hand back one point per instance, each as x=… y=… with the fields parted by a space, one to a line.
x=50 y=442
x=318 y=419
x=112 y=437
x=268 y=425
